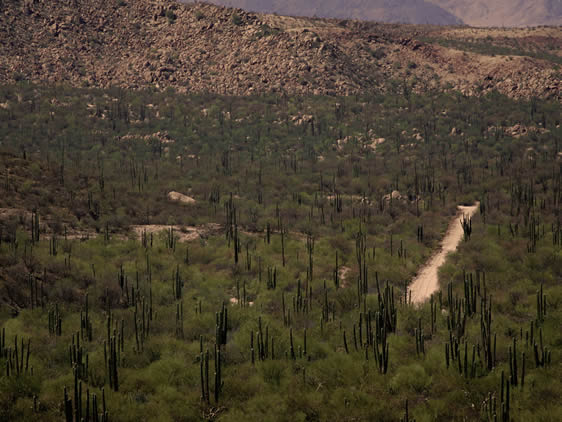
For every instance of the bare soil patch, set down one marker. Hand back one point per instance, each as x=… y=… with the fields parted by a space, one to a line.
x=182 y=233
x=234 y=301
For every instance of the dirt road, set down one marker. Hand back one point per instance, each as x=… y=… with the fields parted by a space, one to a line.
x=427 y=281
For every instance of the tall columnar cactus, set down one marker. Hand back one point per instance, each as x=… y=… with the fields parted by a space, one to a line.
x=78 y=358
x=505 y=399
x=292 y=346
x=17 y=358
x=283 y=235
x=433 y=308
x=179 y=320
x=470 y=295
x=310 y=250
x=523 y=363
x=178 y=284
x=86 y=332
x=361 y=256
x=271 y=278
x=75 y=413
x=380 y=344
x=53 y=245
x=218 y=373
x=67 y=403
x=541 y=306
x=406 y=417
x=420 y=234
x=263 y=341
x=204 y=371
x=466 y=224
x=55 y=321
x=336 y=273
x=542 y=354
x=112 y=364
x=221 y=326
x=35 y=228
x=142 y=322
x=344 y=343
x=420 y=339
x=171 y=239
x=513 y=363
x=387 y=307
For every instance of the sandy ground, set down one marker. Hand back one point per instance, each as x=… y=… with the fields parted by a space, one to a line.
x=427 y=280
x=6 y=213
x=181 y=233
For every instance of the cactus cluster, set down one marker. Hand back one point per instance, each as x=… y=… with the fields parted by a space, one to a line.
x=89 y=411
x=17 y=357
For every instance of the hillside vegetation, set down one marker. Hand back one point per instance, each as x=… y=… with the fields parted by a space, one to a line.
x=279 y=289
x=209 y=214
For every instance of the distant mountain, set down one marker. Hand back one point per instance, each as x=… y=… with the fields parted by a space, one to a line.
x=399 y=11
x=505 y=12
x=440 y=12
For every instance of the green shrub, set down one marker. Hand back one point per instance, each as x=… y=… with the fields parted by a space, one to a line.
x=236 y=19
x=171 y=16
x=266 y=31
x=379 y=53
x=412 y=377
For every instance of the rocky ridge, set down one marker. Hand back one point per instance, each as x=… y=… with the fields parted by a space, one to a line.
x=139 y=44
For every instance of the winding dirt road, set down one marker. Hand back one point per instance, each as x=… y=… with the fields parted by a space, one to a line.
x=427 y=280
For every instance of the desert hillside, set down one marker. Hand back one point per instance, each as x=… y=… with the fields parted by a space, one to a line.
x=206 y=48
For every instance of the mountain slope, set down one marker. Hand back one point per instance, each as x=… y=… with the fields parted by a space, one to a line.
x=401 y=11
x=205 y=48
x=161 y=43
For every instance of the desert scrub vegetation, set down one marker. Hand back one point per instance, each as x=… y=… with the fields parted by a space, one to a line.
x=278 y=290
x=502 y=47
